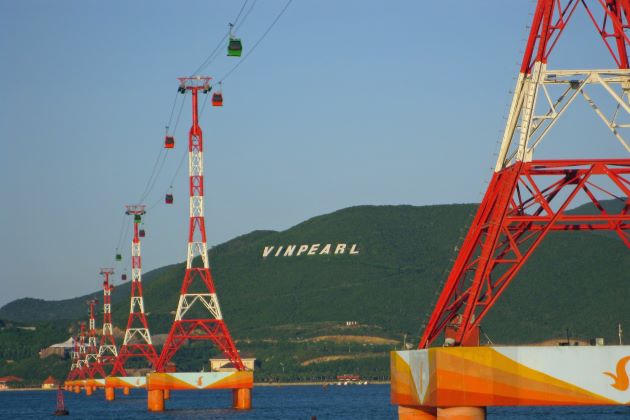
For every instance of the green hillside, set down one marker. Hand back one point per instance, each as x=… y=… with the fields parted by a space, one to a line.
x=279 y=308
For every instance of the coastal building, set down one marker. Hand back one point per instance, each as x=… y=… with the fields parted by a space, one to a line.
x=50 y=383
x=62 y=350
x=5 y=380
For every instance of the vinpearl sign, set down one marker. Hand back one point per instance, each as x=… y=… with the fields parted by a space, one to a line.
x=314 y=249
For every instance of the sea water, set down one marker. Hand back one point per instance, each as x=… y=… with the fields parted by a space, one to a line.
x=269 y=402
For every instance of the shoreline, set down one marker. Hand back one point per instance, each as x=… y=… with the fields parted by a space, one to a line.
x=256 y=384
x=316 y=383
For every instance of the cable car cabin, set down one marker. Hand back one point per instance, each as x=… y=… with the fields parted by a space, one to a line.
x=137 y=218
x=217 y=99
x=235 y=47
x=168 y=199
x=118 y=257
x=141 y=233
x=123 y=277
x=169 y=142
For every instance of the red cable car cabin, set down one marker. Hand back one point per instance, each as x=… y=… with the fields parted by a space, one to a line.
x=141 y=233
x=217 y=99
x=169 y=142
x=168 y=199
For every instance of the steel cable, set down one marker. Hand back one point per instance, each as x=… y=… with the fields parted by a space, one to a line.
x=286 y=6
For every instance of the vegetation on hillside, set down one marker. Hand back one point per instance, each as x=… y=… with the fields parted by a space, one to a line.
x=274 y=306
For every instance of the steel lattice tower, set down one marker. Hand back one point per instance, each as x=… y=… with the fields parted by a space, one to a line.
x=137 y=341
x=212 y=327
x=83 y=366
x=526 y=199
x=107 y=352
x=91 y=358
x=75 y=368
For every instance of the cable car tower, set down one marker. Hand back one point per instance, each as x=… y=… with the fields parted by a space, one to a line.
x=187 y=325
x=137 y=342
x=91 y=359
x=107 y=352
x=75 y=368
x=83 y=366
x=527 y=199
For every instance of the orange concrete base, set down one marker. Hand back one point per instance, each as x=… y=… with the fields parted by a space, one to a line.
x=155 y=400
x=461 y=413
x=88 y=390
x=417 y=413
x=77 y=389
x=167 y=394
x=126 y=390
x=242 y=398
x=110 y=393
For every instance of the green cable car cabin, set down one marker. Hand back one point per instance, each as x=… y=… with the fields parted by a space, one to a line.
x=118 y=257
x=137 y=218
x=235 y=47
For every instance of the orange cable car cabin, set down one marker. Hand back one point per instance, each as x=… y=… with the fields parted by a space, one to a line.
x=217 y=99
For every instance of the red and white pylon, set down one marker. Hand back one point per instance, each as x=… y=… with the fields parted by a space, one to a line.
x=527 y=199
x=137 y=342
x=91 y=358
x=187 y=326
x=107 y=351
x=83 y=366
x=75 y=368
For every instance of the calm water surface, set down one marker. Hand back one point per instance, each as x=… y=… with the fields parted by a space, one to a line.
x=288 y=402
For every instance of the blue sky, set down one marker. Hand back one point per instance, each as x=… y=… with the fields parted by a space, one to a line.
x=344 y=103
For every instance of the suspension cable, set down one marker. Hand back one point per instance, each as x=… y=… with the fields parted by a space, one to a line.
x=226 y=75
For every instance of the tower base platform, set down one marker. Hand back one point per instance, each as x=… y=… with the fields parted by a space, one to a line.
x=437 y=382
x=159 y=386
x=94 y=383
x=122 y=382
x=76 y=385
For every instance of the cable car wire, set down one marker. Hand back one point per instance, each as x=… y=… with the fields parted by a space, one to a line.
x=157 y=177
x=170 y=119
x=120 y=232
x=179 y=114
x=226 y=75
x=158 y=201
x=215 y=53
x=240 y=11
x=211 y=57
x=159 y=165
x=236 y=26
x=149 y=181
x=127 y=229
x=155 y=174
